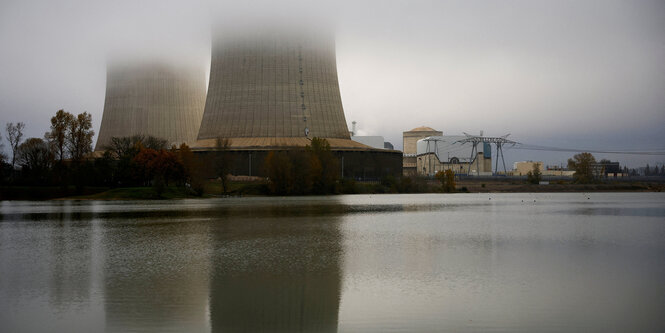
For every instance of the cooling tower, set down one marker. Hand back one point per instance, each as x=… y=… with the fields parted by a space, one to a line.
x=157 y=99
x=277 y=84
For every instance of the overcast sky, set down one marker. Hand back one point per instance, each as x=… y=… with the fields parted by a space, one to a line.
x=579 y=74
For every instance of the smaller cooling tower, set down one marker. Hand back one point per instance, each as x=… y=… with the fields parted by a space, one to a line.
x=157 y=99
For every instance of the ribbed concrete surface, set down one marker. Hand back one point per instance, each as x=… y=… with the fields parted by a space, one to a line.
x=165 y=101
x=273 y=84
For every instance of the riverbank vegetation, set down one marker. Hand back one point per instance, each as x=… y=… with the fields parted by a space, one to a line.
x=62 y=164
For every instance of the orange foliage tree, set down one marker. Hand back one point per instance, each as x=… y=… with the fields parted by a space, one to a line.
x=157 y=167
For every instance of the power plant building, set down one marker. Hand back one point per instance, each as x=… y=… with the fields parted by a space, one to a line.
x=158 y=99
x=439 y=153
x=409 y=140
x=276 y=89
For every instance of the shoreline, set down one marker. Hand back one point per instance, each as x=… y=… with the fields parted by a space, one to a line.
x=252 y=189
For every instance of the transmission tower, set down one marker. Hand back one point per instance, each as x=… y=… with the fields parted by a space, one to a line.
x=477 y=139
x=436 y=150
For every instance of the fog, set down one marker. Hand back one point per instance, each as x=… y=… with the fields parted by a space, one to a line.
x=578 y=74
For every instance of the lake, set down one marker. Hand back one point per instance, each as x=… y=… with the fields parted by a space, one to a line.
x=546 y=262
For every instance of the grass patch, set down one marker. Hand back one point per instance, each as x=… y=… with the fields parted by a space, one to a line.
x=138 y=193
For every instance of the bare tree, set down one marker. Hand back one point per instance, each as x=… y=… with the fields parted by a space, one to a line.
x=35 y=155
x=57 y=137
x=79 y=136
x=3 y=157
x=14 y=135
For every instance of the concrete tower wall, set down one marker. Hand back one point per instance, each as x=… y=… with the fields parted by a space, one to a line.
x=273 y=84
x=160 y=100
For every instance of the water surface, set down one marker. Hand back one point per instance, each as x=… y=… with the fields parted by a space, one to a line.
x=364 y=263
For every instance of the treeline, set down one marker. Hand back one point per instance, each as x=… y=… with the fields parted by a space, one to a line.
x=647 y=171
x=64 y=158
x=59 y=158
x=314 y=170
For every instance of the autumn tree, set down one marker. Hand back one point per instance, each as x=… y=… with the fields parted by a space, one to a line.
x=301 y=169
x=312 y=170
x=57 y=137
x=223 y=161
x=534 y=176
x=123 y=150
x=35 y=157
x=279 y=170
x=582 y=164
x=158 y=167
x=447 y=180
x=79 y=136
x=14 y=136
x=192 y=169
x=323 y=166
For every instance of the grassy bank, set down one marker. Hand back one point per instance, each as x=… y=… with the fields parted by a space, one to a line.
x=213 y=188
x=45 y=192
x=498 y=186
x=137 y=193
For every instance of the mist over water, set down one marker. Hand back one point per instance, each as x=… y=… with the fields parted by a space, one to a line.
x=518 y=262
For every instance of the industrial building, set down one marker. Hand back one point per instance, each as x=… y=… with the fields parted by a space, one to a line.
x=522 y=168
x=159 y=99
x=409 y=140
x=439 y=153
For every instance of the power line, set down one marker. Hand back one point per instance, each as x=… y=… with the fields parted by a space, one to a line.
x=625 y=152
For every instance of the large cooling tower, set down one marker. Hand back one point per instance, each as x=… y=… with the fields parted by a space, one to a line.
x=157 y=99
x=277 y=84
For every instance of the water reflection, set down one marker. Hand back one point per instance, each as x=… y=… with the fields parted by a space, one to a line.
x=518 y=262
x=156 y=273
x=278 y=275
x=223 y=268
x=70 y=258
x=46 y=280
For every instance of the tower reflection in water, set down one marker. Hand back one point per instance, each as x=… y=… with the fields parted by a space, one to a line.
x=276 y=274
x=156 y=271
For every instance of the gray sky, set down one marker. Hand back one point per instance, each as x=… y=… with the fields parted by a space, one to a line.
x=579 y=74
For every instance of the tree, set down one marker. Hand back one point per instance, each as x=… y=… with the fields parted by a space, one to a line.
x=79 y=136
x=123 y=150
x=35 y=157
x=279 y=170
x=3 y=157
x=301 y=171
x=534 y=176
x=192 y=169
x=14 y=135
x=57 y=137
x=323 y=166
x=223 y=162
x=582 y=164
x=447 y=180
x=647 y=170
x=158 y=167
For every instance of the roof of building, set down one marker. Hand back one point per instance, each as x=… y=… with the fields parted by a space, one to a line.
x=423 y=129
x=261 y=143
